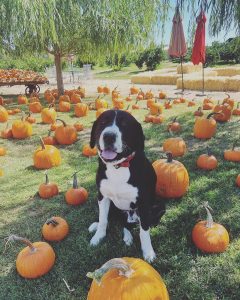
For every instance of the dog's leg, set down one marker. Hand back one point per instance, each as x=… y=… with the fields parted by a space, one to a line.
x=146 y=244
x=104 y=205
x=93 y=227
x=127 y=237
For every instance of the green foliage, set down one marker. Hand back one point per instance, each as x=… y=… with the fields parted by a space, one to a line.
x=34 y=63
x=117 y=61
x=150 y=57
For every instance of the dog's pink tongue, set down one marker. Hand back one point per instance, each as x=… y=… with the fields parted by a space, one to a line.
x=107 y=154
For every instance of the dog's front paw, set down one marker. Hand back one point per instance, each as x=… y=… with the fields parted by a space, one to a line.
x=96 y=239
x=127 y=237
x=93 y=227
x=149 y=256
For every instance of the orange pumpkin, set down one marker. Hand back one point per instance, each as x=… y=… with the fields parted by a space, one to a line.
x=46 y=156
x=55 y=229
x=118 y=104
x=149 y=94
x=191 y=103
x=198 y=112
x=134 y=90
x=76 y=195
x=115 y=93
x=168 y=104
x=78 y=126
x=135 y=106
x=48 y=189
x=127 y=279
x=30 y=118
x=33 y=100
x=150 y=102
x=35 y=260
x=64 y=106
x=65 y=134
x=1 y=101
x=7 y=133
x=236 y=111
x=16 y=110
x=229 y=101
x=100 y=89
x=209 y=236
x=88 y=151
x=139 y=97
x=100 y=103
x=176 y=101
x=182 y=100
x=156 y=108
x=21 y=129
x=3 y=114
x=22 y=99
x=81 y=110
x=175 y=145
x=205 y=128
x=207 y=161
x=172 y=177
x=75 y=98
x=106 y=90
x=64 y=98
x=157 y=119
x=162 y=95
x=49 y=140
x=232 y=154
x=128 y=98
x=174 y=126
x=238 y=180
x=223 y=112
x=35 y=107
x=49 y=114
x=148 y=118
x=2 y=151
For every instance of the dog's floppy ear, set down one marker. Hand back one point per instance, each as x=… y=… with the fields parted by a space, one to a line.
x=140 y=138
x=93 y=135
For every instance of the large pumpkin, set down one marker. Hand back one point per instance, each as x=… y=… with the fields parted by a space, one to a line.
x=49 y=114
x=81 y=109
x=175 y=145
x=172 y=177
x=55 y=229
x=46 y=157
x=65 y=134
x=3 y=114
x=21 y=129
x=205 y=128
x=209 y=236
x=35 y=260
x=127 y=279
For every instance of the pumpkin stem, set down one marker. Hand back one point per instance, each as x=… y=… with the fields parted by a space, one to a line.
x=234 y=145
x=209 y=215
x=51 y=104
x=228 y=96
x=169 y=157
x=199 y=109
x=209 y=151
x=64 y=123
x=212 y=114
x=75 y=182
x=49 y=132
x=47 y=179
x=174 y=120
x=42 y=143
x=52 y=222
x=14 y=237
x=116 y=263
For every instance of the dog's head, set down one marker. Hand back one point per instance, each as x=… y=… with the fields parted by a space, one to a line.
x=116 y=134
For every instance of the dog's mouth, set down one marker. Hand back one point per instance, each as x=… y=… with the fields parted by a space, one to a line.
x=108 y=155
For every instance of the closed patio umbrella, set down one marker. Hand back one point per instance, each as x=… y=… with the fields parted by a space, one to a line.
x=177 y=46
x=199 y=47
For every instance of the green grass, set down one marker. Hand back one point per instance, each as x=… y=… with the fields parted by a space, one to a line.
x=188 y=273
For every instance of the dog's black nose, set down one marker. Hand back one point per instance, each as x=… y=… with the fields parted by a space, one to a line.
x=109 y=138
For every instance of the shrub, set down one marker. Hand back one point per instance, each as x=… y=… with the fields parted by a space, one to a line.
x=150 y=57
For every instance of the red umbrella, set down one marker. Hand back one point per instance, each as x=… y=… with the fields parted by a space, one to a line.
x=177 y=46
x=199 y=48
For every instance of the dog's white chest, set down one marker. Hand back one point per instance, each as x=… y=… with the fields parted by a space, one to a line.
x=116 y=188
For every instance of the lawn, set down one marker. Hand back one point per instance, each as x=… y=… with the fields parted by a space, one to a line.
x=188 y=273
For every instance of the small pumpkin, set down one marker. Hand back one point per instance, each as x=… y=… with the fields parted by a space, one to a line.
x=175 y=145
x=150 y=102
x=35 y=107
x=81 y=110
x=3 y=114
x=229 y=101
x=1 y=100
x=88 y=151
x=172 y=177
x=78 y=126
x=236 y=111
x=76 y=195
x=106 y=90
x=118 y=104
x=156 y=108
x=223 y=112
x=65 y=134
x=168 y=104
x=48 y=189
x=21 y=129
x=134 y=90
x=49 y=140
x=232 y=154
x=64 y=106
x=30 y=119
x=16 y=110
x=207 y=161
x=35 y=260
x=7 y=133
x=148 y=118
x=3 y=151
x=176 y=101
x=128 y=98
x=191 y=103
x=127 y=279
x=135 y=106
x=55 y=229
x=54 y=126
x=209 y=236
x=115 y=93
x=149 y=94
x=75 y=98
x=205 y=128
x=162 y=95
x=64 y=98
x=46 y=156
x=198 y=112
x=49 y=114
x=100 y=103
x=22 y=99
x=157 y=119
x=238 y=180
x=100 y=89
x=174 y=126
x=182 y=100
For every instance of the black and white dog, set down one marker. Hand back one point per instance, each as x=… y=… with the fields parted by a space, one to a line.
x=125 y=178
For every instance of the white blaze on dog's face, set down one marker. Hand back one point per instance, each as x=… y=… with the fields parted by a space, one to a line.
x=117 y=134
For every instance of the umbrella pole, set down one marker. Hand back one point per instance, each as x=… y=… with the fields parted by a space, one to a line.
x=203 y=83
x=181 y=60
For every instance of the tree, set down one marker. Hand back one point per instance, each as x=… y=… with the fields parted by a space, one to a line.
x=92 y=28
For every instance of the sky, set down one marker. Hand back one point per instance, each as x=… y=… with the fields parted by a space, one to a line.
x=209 y=39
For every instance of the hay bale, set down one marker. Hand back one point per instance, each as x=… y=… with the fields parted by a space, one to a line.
x=189 y=68
x=210 y=72
x=227 y=71
x=233 y=83
x=144 y=78
x=166 y=79
x=214 y=83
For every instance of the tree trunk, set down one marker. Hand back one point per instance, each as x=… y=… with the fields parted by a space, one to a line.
x=58 y=65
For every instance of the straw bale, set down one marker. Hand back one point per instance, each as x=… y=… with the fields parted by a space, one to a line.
x=144 y=78
x=167 y=79
x=227 y=71
x=189 y=68
x=233 y=83
x=211 y=83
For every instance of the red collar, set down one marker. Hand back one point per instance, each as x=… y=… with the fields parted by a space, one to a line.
x=126 y=162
